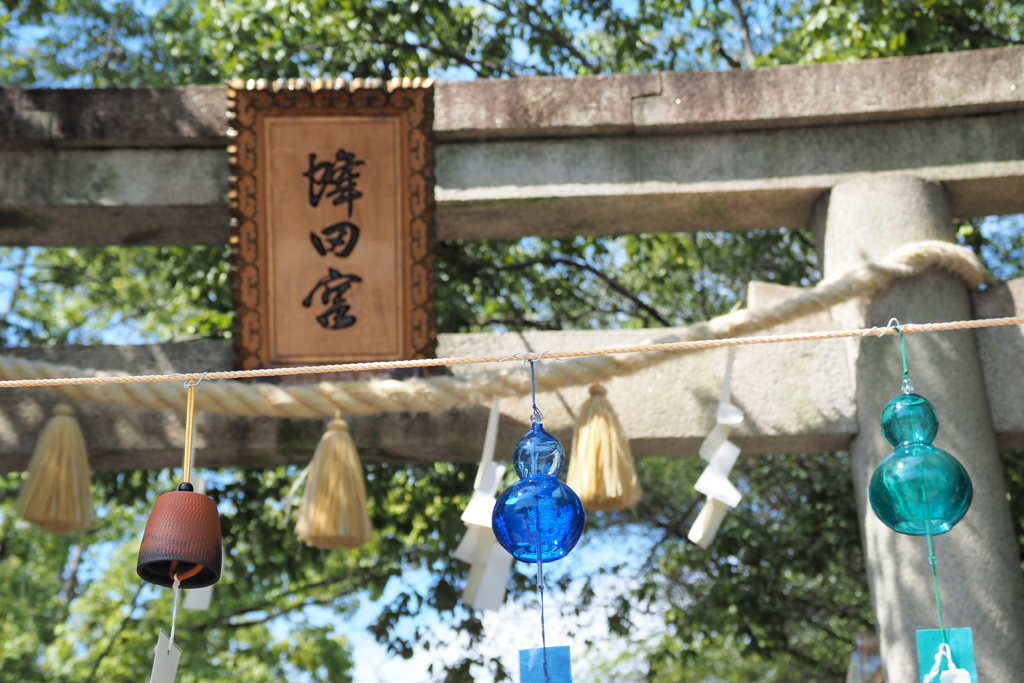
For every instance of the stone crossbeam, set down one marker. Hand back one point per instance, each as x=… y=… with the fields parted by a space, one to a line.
x=548 y=156
x=666 y=410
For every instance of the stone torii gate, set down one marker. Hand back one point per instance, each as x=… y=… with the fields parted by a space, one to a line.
x=871 y=155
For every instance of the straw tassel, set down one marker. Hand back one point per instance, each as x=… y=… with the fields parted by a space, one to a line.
x=601 y=469
x=56 y=494
x=333 y=509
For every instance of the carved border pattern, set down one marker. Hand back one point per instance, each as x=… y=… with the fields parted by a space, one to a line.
x=412 y=101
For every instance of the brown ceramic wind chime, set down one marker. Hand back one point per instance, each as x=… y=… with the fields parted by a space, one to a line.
x=181 y=546
x=182 y=541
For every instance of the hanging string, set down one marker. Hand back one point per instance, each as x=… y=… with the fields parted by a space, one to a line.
x=538 y=417
x=935 y=582
x=691 y=345
x=543 y=631
x=894 y=325
x=174 y=611
x=190 y=405
x=907 y=388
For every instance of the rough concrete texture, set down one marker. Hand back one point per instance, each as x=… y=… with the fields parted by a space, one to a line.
x=192 y=116
x=549 y=156
x=822 y=94
x=115 y=177
x=1001 y=350
x=715 y=181
x=551 y=188
x=540 y=107
x=941 y=85
x=666 y=410
x=978 y=561
x=118 y=438
x=816 y=415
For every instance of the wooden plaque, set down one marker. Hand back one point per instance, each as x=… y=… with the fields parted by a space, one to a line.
x=332 y=200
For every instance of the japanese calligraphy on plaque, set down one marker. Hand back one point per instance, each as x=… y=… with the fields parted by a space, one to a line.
x=332 y=201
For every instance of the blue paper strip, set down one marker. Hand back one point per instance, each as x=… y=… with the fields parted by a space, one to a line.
x=531 y=665
x=961 y=645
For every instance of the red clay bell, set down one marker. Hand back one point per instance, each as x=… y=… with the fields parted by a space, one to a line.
x=182 y=537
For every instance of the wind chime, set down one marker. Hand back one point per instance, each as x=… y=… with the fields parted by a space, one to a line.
x=539 y=519
x=921 y=490
x=181 y=546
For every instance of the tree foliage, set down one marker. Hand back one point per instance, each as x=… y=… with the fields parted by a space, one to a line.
x=780 y=596
x=118 y=43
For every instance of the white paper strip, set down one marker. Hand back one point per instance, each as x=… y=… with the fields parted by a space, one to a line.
x=165 y=660
x=475 y=545
x=490 y=442
x=729 y=415
x=487 y=580
x=704 y=528
x=489 y=478
x=715 y=486
x=713 y=441
x=489 y=563
x=478 y=510
x=198 y=598
x=720 y=454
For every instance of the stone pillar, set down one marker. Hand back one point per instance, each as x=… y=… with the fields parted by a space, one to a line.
x=978 y=561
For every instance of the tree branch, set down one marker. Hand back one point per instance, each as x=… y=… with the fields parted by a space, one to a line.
x=748 y=48
x=732 y=61
x=478 y=67
x=71 y=580
x=270 y=602
x=609 y=281
x=279 y=612
x=701 y=292
x=560 y=39
x=117 y=634
x=548 y=30
x=975 y=29
x=799 y=655
x=801 y=237
x=517 y=321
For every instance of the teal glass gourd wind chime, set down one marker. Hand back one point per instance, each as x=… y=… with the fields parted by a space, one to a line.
x=539 y=519
x=921 y=490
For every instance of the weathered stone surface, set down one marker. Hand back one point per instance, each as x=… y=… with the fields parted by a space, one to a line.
x=980 y=564
x=971 y=82
x=892 y=89
x=716 y=181
x=549 y=156
x=1001 y=350
x=540 y=107
x=552 y=188
x=193 y=116
x=92 y=197
x=666 y=409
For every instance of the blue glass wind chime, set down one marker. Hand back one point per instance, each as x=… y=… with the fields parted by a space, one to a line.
x=921 y=490
x=539 y=519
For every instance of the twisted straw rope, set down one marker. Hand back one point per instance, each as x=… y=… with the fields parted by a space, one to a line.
x=437 y=394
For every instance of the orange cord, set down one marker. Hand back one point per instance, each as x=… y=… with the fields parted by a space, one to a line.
x=184 y=575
